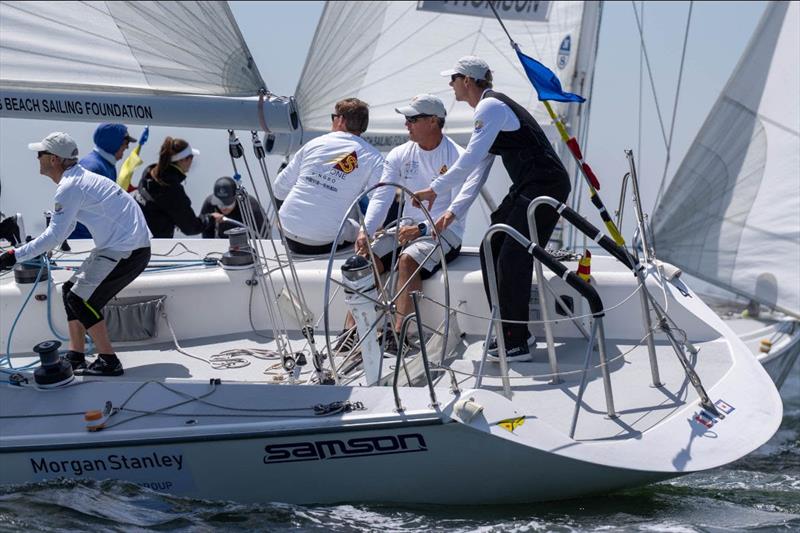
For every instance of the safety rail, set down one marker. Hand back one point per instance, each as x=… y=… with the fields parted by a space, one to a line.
x=631 y=260
x=573 y=280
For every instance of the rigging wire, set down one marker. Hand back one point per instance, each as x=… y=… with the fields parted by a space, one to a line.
x=650 y=73
x=675 y=104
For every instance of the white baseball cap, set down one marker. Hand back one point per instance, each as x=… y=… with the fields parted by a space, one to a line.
x=57 y=143
x=471 y=66
x=423 y=104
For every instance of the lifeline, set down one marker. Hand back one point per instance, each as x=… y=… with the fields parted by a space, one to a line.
x=78 y=467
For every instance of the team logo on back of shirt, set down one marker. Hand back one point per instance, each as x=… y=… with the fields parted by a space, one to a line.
x=443 y=170
x=347 y=163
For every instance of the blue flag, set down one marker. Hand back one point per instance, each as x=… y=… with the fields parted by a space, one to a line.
x=546 y=83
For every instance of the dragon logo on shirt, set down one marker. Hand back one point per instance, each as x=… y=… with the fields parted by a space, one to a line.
x=347 y=163
x=443 y=170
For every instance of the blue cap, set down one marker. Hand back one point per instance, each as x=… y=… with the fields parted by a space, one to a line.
x=109 y=137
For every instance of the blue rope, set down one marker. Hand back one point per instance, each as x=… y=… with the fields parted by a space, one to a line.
x=6 y=360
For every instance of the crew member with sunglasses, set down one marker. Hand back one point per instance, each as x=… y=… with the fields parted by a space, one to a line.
x=503 y=127
x=414 y=165
x=323 y=178
x=122 y=247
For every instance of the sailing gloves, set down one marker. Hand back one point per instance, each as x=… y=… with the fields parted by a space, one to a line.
x=7 y=260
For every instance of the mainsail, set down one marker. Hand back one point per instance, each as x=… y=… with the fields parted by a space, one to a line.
x=386 y=52
x=175 y=63
x=731 y=215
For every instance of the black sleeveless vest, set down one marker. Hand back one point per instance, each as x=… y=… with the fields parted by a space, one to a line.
x=527 y=154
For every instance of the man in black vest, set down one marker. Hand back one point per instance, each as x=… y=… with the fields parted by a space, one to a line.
x=503 y=127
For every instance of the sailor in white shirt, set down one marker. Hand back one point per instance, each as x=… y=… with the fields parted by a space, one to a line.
x=122 y=249
x=504 y=128
x=414 y=165
x=323 y=178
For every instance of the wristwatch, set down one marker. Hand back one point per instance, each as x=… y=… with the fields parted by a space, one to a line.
x=423 y=229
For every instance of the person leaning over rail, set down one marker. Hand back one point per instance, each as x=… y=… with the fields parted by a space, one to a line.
x=414 y=165
x=164 y=202
x=323 y=178
x=121 y=253
x=223 y=201
x=503 y=127
x=110 y=143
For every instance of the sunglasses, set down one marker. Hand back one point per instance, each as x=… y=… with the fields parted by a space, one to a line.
x=415 y=118
x=454 y=77
x=334 y=115
x=40 y=154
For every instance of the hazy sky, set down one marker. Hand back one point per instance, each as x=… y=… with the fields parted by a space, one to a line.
x=279 y=34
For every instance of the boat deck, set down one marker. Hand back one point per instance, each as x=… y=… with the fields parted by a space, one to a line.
x=638 y=405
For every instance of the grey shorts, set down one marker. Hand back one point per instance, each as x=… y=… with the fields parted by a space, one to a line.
x=94 y=270
x=422 y=250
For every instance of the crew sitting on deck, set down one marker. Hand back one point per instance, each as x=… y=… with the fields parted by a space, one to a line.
x=164 y=201
x=323 y=178
x=122 y=247
x=415 y=164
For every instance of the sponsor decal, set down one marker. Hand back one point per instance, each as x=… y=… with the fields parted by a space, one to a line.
x=564 y=52
x=443 y=170
x=347 y=163
x=162 y=471
x=478 y=125
x=724 y=407
x=87 y=108
x=323 y=450
x=708 y=420
x=535 y=10
x=510 y=424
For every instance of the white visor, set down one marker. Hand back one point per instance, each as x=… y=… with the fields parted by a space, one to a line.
x=186 y=152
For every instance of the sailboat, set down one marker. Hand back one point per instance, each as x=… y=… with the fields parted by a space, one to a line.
x=731 y=214
x=233 y=388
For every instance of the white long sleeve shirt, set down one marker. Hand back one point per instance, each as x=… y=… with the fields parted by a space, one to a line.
x=491 y=117
x=415 y=169
x=112 y=216
x=321 y=181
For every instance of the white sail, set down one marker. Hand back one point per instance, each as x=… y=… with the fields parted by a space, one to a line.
x=176 y=47
x=386 y=52
x=731 y=215
x=172 y=63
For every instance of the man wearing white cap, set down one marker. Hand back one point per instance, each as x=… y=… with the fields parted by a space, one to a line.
x=122 y=247
x=503 y=127
x=414 y=165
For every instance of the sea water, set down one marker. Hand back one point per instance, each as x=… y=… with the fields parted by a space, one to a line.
x=758 y=493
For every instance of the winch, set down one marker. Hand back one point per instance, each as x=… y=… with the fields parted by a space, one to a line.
x=55 y=371
x=239 y=254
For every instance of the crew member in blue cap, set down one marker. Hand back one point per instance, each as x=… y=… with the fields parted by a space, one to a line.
x=110 y=143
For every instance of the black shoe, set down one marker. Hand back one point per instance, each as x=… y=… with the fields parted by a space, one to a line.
x=76 y=359
x=100 y=367
x=515 y=354
x=390 y=346
x=492 y=349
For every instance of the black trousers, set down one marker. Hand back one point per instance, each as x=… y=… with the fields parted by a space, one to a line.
x=513 y=264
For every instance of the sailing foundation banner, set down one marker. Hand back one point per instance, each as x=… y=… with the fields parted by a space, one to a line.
x=536 y=11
